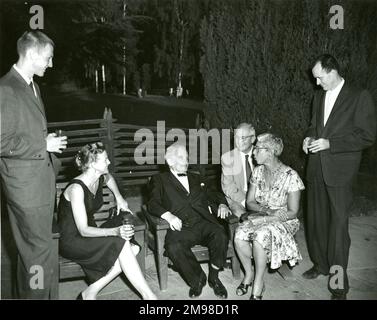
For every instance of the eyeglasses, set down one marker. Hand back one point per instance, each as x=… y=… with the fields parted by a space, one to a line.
x=244 y=137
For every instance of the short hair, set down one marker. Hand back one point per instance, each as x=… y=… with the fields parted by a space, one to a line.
x=171 y=153
x=32 y=39
x=328 y=63
x=272 y=142
x=88 y=154
x=245 y=125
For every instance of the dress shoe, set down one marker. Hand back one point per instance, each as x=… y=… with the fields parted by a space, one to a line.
x=312 y=273
x=260 y=296
x=218 y=288
x=242 y=289
x=197 y=290
x=339 y=296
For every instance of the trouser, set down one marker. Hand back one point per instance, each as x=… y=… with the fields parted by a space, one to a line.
x=327 y=231
x=32 y=232
x=178 y=246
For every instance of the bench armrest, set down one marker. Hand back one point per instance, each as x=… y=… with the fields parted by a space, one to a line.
x=154 y=222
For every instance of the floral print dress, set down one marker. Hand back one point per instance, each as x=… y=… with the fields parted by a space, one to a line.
x=276 y=238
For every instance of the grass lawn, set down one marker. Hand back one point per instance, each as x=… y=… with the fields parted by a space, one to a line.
x=82 y=104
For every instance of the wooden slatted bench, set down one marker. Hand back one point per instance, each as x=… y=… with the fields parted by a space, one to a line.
x=67 y=269
x=128 y=171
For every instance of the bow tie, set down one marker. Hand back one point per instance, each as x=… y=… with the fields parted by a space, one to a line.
x=182 y=175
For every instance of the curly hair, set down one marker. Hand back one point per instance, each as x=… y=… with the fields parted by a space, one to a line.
x=88 y=154
x=272 y=142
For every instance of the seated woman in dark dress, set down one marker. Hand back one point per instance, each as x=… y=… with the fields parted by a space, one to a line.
x=103 y=253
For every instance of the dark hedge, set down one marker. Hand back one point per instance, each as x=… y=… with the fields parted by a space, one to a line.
x=257 y=63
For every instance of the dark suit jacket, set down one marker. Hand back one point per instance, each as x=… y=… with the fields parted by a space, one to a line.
x=350 y=128
x=168 y=194
x=25 y=162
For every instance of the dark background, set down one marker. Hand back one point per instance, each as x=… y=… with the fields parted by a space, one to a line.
x=246 y=60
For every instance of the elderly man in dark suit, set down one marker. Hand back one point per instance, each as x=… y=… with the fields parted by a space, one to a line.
x=27 y=166
x=190 y=208
x=343 y=124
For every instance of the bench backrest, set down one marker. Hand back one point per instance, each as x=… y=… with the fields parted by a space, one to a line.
x=127 y=162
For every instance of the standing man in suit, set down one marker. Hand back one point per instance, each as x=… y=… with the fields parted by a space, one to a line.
x=183 y=201
x=27 y=166
x=237 y=166
x=343 y=124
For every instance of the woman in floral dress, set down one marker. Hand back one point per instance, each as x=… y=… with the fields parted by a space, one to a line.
x=268 y=233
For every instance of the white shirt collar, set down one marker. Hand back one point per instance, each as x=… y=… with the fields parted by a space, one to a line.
x=176 y=173
x=22 y=74
x=243 y=154
x=183 y=180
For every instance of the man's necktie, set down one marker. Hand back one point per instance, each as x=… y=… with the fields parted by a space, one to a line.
x=248 y=168
x=31 y=85
x=182 y=174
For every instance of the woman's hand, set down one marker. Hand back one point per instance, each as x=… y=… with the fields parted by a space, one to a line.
x=122 y=205
x=126 y=232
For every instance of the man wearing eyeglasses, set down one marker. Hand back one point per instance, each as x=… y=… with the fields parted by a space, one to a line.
x=237 y=166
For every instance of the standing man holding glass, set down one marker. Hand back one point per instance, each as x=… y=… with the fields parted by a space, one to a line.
x=343 y=124
x=27 y=164
x=237 y=166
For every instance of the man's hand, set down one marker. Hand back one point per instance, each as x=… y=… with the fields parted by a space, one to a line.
x=319 y=145
x=223 y=211
x=56 y=144
x=174 y=222
x=305 y=144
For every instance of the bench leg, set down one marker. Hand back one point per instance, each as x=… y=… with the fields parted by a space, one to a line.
x=285 y=272
x=140 y=237
x=162 y=261
x=54 y=293
x=236 y=269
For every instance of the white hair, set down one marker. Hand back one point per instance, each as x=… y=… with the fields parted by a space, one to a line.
x=171 y=153
x=246 y=126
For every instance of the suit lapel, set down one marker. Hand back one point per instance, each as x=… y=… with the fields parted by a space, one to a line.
x=194 y=187
x=39 y=100
x=29 y=95
x=337 y=107
x=239 y=169
x=321 y=111
x=176 y=183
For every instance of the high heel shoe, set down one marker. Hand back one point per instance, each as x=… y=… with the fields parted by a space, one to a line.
x=79 y=297
x=255 y=297
x=242 y=289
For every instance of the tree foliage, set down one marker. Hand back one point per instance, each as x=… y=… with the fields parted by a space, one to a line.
x=177 y=42
x=257 y=61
